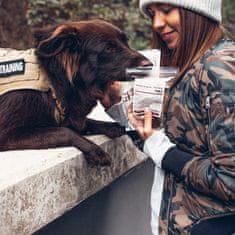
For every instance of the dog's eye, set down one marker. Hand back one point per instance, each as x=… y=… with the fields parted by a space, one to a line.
x=110 y=48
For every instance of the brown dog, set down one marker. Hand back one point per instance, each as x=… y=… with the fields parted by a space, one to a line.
x=76 y=63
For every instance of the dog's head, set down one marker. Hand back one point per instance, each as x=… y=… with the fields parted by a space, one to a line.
x=91 y=53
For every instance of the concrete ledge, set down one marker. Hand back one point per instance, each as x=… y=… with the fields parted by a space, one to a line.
x=37 y=186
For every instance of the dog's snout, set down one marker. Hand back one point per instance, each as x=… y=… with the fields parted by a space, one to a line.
x=145 y=63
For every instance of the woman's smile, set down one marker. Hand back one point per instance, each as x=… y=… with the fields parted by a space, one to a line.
x=168 y=36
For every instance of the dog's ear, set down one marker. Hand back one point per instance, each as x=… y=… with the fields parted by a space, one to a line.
x=54 y=40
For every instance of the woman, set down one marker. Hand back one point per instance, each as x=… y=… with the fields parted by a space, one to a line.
x=196 y=148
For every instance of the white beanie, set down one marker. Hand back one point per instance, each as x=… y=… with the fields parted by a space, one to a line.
x=209 y=8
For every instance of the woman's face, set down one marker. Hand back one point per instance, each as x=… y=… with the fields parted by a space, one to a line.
x=166 y=22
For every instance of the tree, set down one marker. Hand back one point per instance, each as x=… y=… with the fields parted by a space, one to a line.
x=18 y=16
x=14 y=29
x=229 y=15
x=122 y=13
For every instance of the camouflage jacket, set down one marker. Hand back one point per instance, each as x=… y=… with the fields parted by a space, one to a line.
x=200 y=120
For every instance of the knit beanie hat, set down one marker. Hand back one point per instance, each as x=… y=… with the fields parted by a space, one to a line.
x=209 y=8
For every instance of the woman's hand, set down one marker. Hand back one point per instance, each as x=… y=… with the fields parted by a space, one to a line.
x=142 y=126
x=156 y=141
x=112 y=96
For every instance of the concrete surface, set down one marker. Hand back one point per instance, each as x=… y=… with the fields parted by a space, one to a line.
x=121 y=208
x=38 y=186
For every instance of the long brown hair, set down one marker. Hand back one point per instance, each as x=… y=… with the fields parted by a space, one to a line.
x=198 y=34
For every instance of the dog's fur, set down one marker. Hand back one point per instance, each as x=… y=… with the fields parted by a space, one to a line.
x=80 y=60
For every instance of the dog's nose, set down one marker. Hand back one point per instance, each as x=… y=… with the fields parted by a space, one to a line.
x=145 y=63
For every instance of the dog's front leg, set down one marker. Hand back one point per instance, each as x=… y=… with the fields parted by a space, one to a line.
x=44 y=138
x=110 y=129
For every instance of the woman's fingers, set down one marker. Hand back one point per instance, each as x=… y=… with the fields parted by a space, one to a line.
x=143 y=126
x=132 y=118
x=147 y=120
x=147 y=129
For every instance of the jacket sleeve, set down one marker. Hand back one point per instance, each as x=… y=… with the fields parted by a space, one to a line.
x=213 y=174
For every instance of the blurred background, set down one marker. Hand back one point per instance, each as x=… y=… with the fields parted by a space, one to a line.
x=18 y=17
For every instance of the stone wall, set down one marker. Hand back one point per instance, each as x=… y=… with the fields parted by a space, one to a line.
x=38 y=186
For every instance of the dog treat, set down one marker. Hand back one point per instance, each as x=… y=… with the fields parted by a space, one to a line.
x=147 y=87
x=149 y=92
x=154 y=55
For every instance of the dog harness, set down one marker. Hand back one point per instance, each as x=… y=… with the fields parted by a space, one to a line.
x=20 y=69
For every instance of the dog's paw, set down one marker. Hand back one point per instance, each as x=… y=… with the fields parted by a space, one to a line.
x=114 y=130
x=98 y=157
